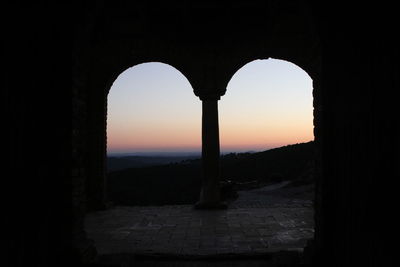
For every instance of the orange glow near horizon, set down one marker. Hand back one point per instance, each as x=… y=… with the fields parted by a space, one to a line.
x=264 y=138
x=152 y=108
x=140 y=140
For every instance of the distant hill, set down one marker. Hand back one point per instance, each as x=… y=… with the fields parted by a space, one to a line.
x=179 y=183
x=115 y=163
x=284 y=163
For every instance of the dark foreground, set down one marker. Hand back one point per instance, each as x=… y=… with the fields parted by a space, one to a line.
x=266 y=225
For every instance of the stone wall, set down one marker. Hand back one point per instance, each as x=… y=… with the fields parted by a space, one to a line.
x=360 y=148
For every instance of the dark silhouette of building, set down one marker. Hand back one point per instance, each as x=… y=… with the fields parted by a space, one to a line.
x=60 y=60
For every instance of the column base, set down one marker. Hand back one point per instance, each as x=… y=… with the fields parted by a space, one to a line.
x=210 y=206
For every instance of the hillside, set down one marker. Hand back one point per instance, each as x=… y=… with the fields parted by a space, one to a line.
x=179 y=183
x=285 y=163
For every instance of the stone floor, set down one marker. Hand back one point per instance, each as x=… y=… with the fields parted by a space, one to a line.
x=269 y=219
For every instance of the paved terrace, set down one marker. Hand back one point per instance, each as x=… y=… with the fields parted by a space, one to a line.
x=268 y=219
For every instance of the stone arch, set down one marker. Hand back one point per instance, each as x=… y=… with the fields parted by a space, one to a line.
x=118 y=71
x=236 y=67
x=104 y=76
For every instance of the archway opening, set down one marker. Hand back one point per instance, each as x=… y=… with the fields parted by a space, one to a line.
x=268 y=152
x=153 y=123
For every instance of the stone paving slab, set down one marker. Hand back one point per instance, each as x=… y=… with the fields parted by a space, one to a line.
x=180 y=229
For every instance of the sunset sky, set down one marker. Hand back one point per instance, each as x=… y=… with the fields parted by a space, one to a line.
x=152 y=108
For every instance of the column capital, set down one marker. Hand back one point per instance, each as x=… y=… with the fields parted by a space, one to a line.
x=209 y=94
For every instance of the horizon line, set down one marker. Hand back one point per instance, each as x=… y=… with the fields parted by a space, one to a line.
x=198 y=150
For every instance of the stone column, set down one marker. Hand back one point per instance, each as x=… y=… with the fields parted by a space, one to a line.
x=210 y=190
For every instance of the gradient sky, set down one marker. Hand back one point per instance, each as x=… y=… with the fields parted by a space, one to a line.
x=152 y=108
